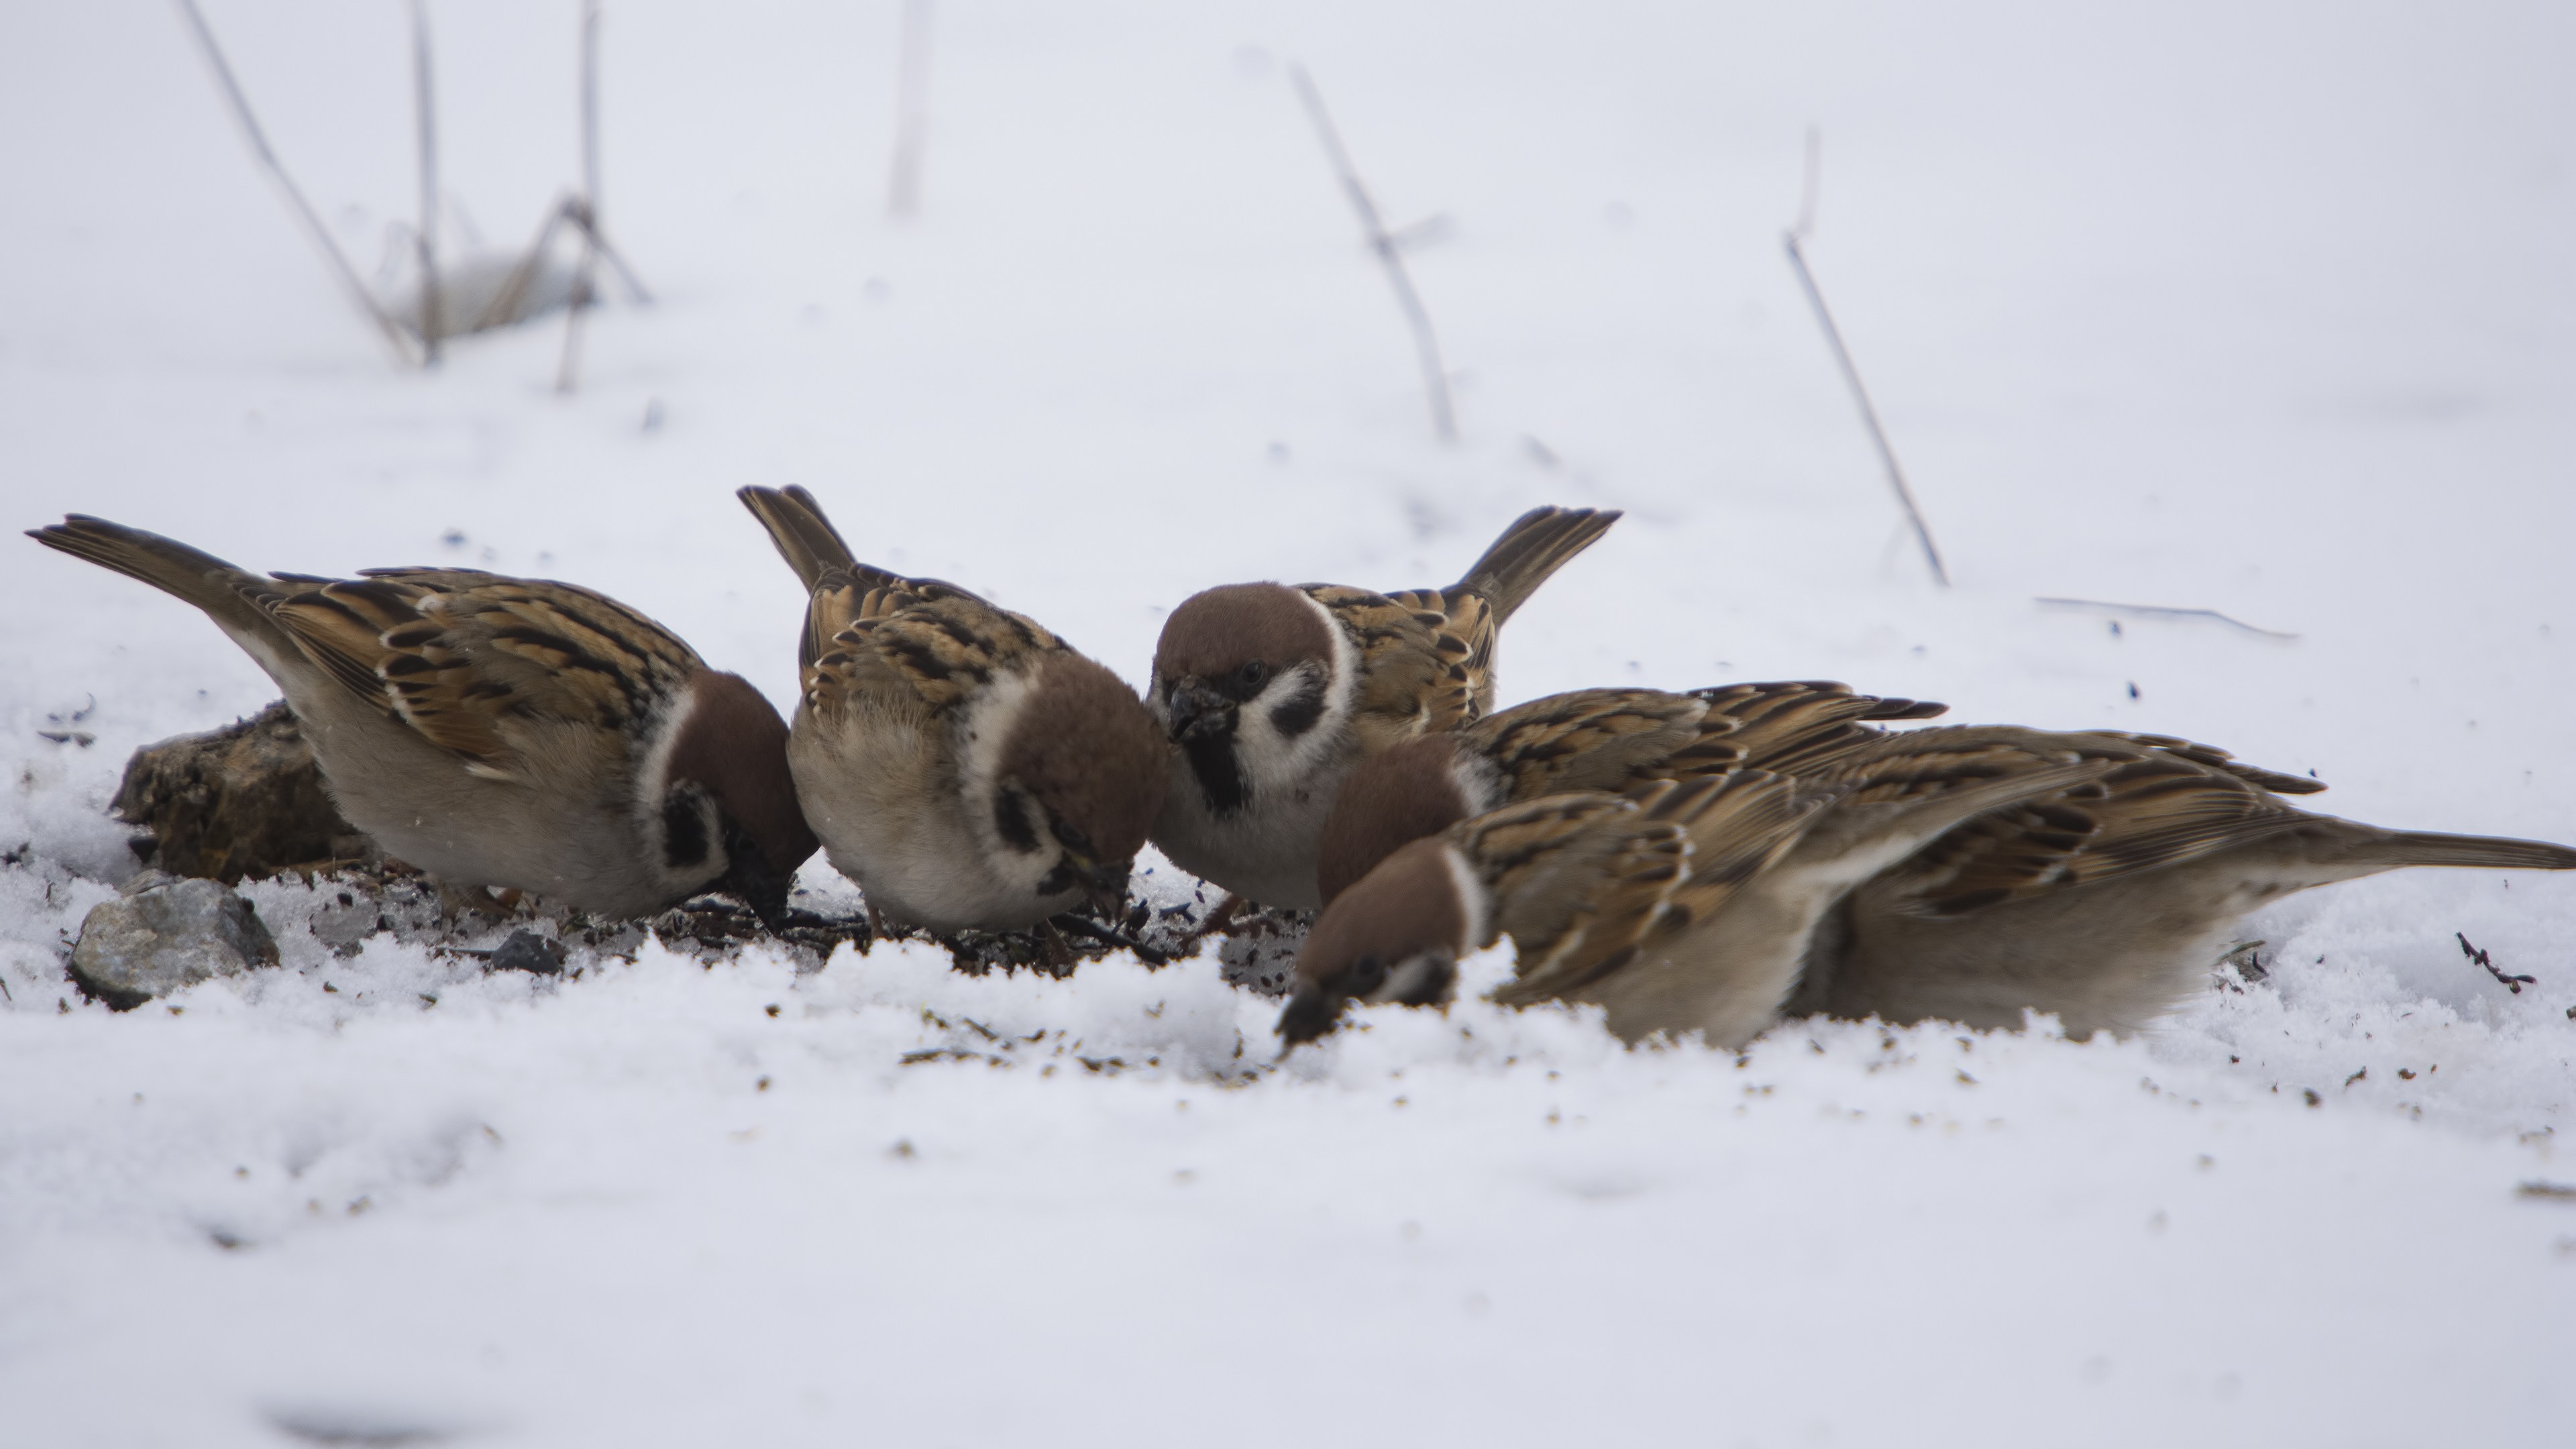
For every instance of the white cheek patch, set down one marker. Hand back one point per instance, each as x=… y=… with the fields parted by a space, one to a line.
x=1274 y=761
x=981 y=733
x=652 y=780
x=1472 y=900
x=1479 y=781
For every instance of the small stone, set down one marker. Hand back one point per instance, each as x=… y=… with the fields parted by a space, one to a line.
x=245 y=801
x=528 y=951
x=164 y=937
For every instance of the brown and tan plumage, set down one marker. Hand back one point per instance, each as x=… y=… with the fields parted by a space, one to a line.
x=2105 y=905
x=1966 y=873
x=965 y=766
x=506 y=732
x=1273 y=693
x=1590 y=739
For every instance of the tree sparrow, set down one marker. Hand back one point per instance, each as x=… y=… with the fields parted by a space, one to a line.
x=961 y=763
x=2106 y=908
x=1680 y=906
x=2095 y=876
x=507 y=732
x=1273 y=693
x=1590 y=739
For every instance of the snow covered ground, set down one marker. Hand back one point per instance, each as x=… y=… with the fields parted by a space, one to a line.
x=2258 y=309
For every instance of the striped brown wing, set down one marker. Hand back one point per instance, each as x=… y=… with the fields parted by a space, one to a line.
x=2215 y=758
x=1804 y=726
x=2154 y=808
x=1629 y=883
x=1465 y=626
x=916 y=645
x=466 y=658
x=1602 y=739
x=1413 y=668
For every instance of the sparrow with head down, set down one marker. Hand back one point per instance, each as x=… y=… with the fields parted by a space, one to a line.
x=1272 y=693
x=1589 y=739
x=1963 y=873
x=966 y=767
x=1679 y=905
x=501 y=732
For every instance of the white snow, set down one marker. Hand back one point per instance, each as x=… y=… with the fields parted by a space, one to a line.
x=2258 y=309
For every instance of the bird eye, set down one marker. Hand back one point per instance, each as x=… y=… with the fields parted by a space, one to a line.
x=1254 y=674
x=1367 y=974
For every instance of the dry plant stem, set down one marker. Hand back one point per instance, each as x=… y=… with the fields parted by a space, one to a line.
x=1109 y=936
x=2507 y=980
x=313 y=228
x=1390 y=254
x=2159 y=611
x=1868 y=413
x=432 y=321
x=912 y=101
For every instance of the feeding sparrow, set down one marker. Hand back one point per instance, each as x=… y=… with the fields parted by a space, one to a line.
x=503 y=732
x=962 y=764
x=1273 y=693
x=2107 y=909
x=1590 y=739
x=2090 y=875
x=1679 y=906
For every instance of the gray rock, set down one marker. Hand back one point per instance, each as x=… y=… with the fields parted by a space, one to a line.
x=528 y=951
x=165 y=936
x=242 y=801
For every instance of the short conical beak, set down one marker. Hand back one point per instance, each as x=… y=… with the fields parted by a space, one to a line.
x=1198 y=712
x=1105 y=886
x=1310 y=1014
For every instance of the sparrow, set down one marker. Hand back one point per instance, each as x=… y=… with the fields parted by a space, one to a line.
x=1678 y=906
x=2109 y=909
x=966 y=767
x=502 y=732
x=1273 y=693
x=1589 y=739
x=1960 y=873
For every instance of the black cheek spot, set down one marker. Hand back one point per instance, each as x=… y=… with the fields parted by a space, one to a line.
x=1299 y=713
x=684 y=830
x=1011 y=818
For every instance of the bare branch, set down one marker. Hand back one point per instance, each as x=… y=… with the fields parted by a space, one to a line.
x=1390 y=253
x=2158 y=611
x=1868 y=413
x=2509 y=982
x=313 y=228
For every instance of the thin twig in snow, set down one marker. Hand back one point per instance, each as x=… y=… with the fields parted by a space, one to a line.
x=2158 y=611
x=1389 y=247
x=313 y=228
x=1851 y=373
x=2510 y=983
x=426 y=236
x=911 y=107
